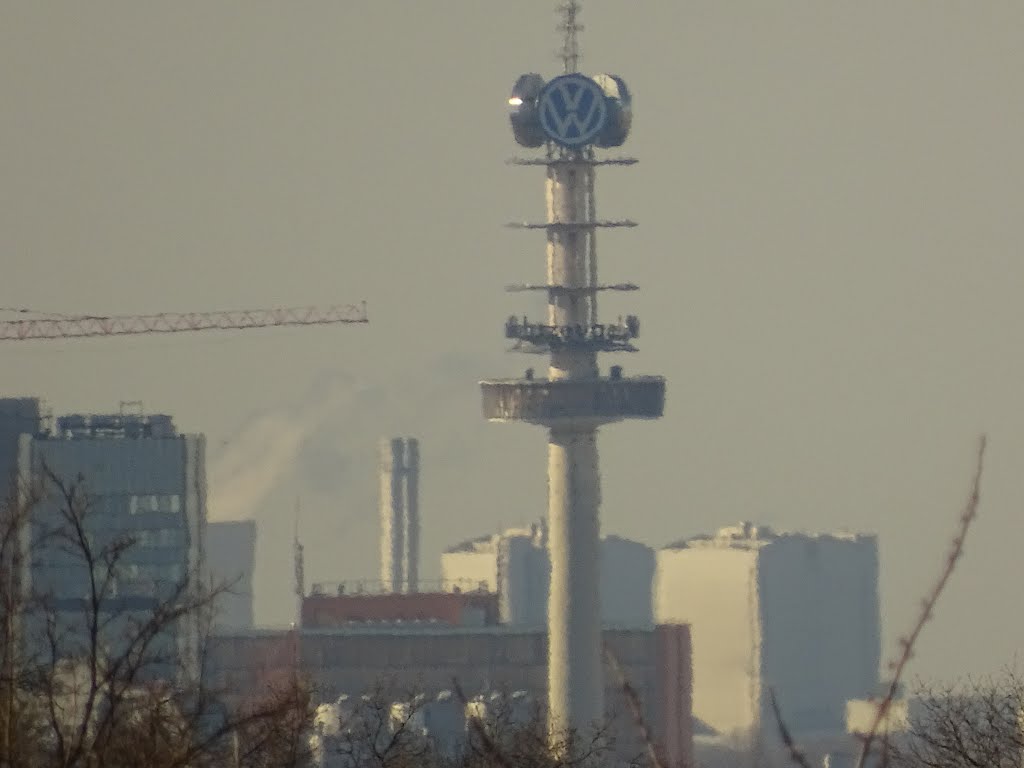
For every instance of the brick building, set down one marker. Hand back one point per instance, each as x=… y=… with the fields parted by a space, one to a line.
x=457 y=609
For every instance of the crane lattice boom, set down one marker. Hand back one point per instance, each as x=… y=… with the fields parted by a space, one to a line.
x=72 y=327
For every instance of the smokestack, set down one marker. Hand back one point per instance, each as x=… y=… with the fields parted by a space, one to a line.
x=412 y=514
x=392 y=514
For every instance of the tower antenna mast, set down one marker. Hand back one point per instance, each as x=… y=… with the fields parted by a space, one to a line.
x=570 y=29
x=299 y=559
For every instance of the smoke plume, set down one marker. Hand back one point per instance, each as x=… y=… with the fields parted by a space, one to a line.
x=265 y=450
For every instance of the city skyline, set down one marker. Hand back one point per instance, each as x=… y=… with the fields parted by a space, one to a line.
x=827 y=199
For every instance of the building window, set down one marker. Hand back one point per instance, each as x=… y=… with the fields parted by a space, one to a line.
x=158 y=537
x=168 y=503
x=138 y=505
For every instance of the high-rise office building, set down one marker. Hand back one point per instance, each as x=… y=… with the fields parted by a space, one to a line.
x=140 y=487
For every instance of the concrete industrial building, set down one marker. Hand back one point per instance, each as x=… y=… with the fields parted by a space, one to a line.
x=793 y=612
x=516 y=566
x=400 y=514
x=138 y=476
x=231 y=558
x=351 y=661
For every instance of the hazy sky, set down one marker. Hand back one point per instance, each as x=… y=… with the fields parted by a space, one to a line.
x=830 y=205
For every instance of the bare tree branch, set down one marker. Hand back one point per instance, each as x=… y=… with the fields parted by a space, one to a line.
x=967 y=518
x=795 y=754
x=102 y=681
x=635 y=707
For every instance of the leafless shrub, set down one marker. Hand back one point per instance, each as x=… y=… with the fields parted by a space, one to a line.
x=378 y=732
x=100 y=679
x=108 y=683
x=505 y=740
x=973 y=723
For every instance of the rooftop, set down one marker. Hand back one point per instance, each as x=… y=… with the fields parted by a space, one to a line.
x=95 y=426
x=488 y=542
x=748 y=535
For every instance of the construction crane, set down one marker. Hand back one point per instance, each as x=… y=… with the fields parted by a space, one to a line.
x=57 y=326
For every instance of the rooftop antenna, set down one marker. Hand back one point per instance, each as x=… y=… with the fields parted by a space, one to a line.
x=570 y=11
x=300 y=565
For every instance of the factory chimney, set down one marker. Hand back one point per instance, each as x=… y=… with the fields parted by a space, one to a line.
x=411 y=475
x=399 y=514
x=392 y=514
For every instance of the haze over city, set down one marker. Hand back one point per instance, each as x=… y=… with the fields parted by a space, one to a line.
x=829 y=206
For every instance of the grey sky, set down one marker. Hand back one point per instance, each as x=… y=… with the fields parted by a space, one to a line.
x=830 y=206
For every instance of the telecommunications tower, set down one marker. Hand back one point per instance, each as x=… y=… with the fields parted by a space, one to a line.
x=570 y=117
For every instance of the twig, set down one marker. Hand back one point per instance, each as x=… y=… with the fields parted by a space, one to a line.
x=633 y=699
x=795 y=754
x=967 y=517
x=490 y=747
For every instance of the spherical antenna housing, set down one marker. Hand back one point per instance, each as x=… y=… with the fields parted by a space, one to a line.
x=522 y=104
x=620 y=111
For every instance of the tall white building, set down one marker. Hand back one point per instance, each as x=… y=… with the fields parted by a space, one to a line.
x=516 y=565
x=785 y=611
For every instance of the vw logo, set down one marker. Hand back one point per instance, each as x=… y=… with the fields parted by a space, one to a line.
x=572 y=110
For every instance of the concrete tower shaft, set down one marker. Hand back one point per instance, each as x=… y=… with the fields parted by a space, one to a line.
x=575 y=679
x=569 y=201
x=575 y=674
x=572 y=402
x=569 y=116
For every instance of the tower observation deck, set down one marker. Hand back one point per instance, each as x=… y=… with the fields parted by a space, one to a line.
x=569 y=118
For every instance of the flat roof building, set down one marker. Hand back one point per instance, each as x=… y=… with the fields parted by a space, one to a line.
x=139 y=486
x=791 y=612
x=231 y=558
x=516 y=565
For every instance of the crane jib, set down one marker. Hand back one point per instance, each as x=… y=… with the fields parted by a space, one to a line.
x=80 y=326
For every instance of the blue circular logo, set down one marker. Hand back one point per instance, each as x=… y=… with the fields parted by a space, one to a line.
x=572 y=110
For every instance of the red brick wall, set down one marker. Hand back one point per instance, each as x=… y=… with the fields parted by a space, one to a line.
x=674 y=729
x=456 y=609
